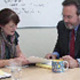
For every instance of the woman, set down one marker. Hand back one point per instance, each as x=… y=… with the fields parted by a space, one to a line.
x=9 y=47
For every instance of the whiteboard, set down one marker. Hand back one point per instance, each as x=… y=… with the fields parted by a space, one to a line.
x=35 y=13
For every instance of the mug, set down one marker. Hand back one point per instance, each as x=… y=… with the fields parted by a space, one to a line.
x=59 y=65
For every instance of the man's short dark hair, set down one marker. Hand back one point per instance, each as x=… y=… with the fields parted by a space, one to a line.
x=72 y=2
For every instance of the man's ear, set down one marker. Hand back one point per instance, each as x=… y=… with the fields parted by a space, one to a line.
x=1 y=26
x=79 y=18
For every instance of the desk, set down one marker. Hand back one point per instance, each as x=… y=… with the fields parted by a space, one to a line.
x=35 y=73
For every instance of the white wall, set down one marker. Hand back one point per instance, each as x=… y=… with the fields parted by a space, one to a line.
x=35 y=12
x=38 y=41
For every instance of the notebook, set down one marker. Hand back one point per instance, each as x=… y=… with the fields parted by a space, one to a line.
x=47 y=65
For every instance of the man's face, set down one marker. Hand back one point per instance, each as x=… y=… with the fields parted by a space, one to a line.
x=70 y=17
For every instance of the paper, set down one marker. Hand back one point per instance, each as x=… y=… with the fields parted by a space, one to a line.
x=4 y=74
x=34 y=59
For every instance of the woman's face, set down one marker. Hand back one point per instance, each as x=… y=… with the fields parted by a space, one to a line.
x=9 y=28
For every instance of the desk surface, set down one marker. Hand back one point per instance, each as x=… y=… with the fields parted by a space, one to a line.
x=35 y=73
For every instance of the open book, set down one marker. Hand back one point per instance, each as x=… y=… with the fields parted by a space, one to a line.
x=41 y=62
x=34 y=59
x=4 y=74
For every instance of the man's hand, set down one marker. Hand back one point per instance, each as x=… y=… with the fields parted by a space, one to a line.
x=50 y=56
x=72 y=62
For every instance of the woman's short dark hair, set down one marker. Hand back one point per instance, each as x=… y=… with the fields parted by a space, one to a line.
x=7 y=15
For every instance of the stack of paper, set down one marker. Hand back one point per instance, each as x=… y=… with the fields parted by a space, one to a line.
x=4 y=74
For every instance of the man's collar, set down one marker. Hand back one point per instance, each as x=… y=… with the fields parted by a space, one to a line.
x=76 y=28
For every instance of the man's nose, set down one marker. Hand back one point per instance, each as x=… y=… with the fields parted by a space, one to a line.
x=66 y=20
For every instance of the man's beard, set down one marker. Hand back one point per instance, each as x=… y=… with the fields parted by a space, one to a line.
x=69 y=27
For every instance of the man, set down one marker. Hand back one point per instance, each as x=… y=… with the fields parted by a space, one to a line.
x=68 y=45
